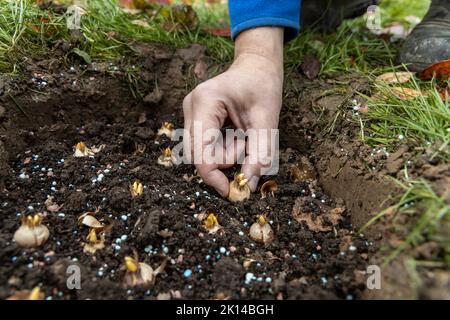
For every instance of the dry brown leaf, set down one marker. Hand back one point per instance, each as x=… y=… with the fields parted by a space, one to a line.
x=311 y=67
x=440 y=70
x=318 y=223
x=201 y=70
x=395 y=77
x=302 y=171
x=165 y=233
x=220 y=32
x=407 y=94
x=51 y=205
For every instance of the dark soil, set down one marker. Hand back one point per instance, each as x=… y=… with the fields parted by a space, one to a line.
x=40 y=126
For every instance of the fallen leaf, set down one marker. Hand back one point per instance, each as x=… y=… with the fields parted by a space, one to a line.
x=219 y=32
x=179 y=17
x=126 y=4
x=201 y=70
x=302 y=171
x=396 y=30
x=322 y=222
x=83 y=54
x=311 y=67
x=51 y=205
x=142 y=23
x=440 y=70
x=413 y=20
x=165 y=233
x=407 y=94
x=395 y=77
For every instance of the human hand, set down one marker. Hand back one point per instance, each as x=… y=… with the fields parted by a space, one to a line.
x=249 y=93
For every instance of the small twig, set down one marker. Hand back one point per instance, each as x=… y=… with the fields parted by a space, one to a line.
x=19 y=107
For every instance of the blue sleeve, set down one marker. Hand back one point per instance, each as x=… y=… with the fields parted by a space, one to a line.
x=247 y=14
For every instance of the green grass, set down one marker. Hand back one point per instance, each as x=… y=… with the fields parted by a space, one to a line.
x=392 y=120
x=27 y=32
x=398 y=10
x=350 y=48
x=428 y=220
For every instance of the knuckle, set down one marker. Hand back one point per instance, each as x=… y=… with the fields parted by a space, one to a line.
x=204 y=90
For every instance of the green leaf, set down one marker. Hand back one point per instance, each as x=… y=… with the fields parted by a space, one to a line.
x=83 y=54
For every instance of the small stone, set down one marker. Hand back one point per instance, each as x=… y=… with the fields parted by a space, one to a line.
x=23 y=176
x=187 y=273
x=249 y=277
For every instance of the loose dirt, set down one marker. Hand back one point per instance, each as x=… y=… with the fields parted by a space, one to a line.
x=316 y=252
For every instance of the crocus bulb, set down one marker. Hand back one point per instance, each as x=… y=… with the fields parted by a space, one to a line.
x=32 y=233
x=95 y=241
x=81 y=150
x=167 y=128
x=136 y=189
x=261 y=231
x=139 y=273
x=35 y=294
x=239 y=189
x=212 y=223
x=165 y=159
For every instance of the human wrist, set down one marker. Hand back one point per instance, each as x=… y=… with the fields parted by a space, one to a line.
x=265 y=42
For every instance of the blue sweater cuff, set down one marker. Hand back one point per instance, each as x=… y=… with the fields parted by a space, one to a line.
x=247 y=14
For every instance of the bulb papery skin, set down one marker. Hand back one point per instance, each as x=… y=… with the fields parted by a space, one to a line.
x=144 y=276
x=165 y=131
x=165 y=161
x=261 y=233
x=31 y=236
x=238 y=193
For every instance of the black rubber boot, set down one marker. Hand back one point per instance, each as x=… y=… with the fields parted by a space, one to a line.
x=327 y=15
x=429 y=42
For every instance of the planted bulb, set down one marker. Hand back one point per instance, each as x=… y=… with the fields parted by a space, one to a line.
x=35 y=294
x=239 y=189
x=212 y=223
x=261 y=231
x=81 y=150
x=139 y=273
x=166 y=159
x=32 y=233
x=136 y=189
x=167 y=128
x=95 y=240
